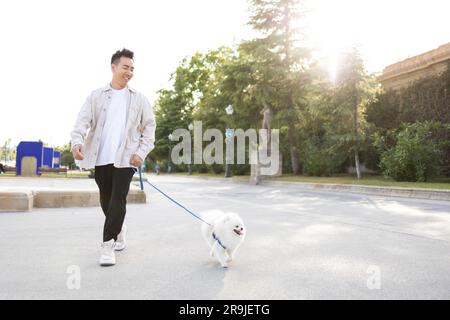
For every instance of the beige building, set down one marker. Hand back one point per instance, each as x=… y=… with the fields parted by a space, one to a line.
x=403 y=73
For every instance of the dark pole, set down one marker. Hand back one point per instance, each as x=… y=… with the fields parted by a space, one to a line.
x=169 y=167
x=228 y=171
x=191 y=128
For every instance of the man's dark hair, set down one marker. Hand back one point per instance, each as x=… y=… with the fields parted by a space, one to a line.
x=121 y=53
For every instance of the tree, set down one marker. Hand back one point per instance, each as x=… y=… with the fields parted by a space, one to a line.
x=195 y=96
x=317 y=132
x=279 y=63
x=353 y=91
x=66 y=155
x=6 y=152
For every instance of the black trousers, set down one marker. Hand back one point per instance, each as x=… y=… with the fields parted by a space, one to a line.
x=114 y=184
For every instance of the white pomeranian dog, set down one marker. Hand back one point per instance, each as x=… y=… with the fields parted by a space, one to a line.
x=224 y=234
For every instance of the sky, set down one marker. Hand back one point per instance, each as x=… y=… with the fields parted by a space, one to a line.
x=54 y=53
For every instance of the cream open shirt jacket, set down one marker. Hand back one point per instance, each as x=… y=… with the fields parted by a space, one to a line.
x=139 y=130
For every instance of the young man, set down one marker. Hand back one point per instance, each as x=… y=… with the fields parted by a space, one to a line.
x=122 y=133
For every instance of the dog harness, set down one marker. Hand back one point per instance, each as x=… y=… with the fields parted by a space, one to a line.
x=218 y=241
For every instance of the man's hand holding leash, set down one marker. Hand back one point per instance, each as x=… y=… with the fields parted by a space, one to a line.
x=77 y=153
x=135 y=161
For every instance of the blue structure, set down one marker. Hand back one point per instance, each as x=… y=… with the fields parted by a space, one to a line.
x=29 y=149
x=47 y=161
x=45 y=157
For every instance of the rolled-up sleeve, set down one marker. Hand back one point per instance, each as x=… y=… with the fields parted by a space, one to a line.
x=148 y=125
x=82 y=124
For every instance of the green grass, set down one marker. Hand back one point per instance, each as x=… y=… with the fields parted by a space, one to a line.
x=209 y=175
x=369 y=180
x=196 y=174
x=440 y=183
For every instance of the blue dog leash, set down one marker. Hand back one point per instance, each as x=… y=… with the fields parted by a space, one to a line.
x=140 y=178
x=174 y=201
x=218 y=241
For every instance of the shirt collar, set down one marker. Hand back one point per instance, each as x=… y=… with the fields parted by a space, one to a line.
x=108 y=88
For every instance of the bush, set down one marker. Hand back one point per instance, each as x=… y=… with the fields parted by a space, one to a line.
x=285 y=151
x=241 y=169
x=415 y=154
x=321 y=161
x=201 y=168
x=217 y=168
x=315 y=163
x=371 y=158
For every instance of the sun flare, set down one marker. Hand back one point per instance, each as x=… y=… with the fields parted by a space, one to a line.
x=333 y=26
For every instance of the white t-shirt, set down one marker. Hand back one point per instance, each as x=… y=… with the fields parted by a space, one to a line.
x=114 y=129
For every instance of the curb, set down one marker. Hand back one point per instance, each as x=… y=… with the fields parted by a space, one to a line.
x=14 y=200
x=416 y=193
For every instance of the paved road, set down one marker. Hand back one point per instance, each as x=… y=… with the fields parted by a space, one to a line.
x=300 y=245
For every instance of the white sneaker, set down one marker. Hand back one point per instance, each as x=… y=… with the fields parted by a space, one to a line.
x=108 y=257
x=121 y=242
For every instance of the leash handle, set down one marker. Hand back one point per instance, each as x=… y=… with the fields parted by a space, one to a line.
x=178 y=204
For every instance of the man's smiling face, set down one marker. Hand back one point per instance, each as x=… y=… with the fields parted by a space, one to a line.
x=122 y=71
